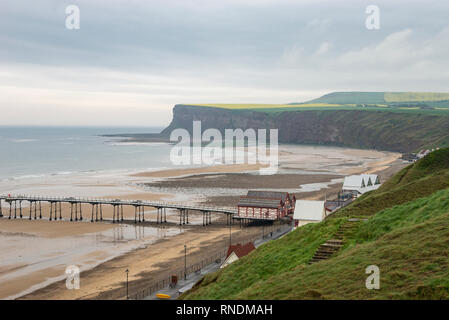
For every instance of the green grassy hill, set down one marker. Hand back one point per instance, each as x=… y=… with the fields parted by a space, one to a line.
x=408 y=239
x=351 y=97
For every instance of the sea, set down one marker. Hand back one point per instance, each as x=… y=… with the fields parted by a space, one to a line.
x=32 y=152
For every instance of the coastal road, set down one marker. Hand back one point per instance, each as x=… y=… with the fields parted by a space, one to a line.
x=184 y=285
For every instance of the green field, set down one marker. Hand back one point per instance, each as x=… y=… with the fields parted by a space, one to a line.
x=407 y=238
x=415 y=96
x=276 y=108
x=265 y=106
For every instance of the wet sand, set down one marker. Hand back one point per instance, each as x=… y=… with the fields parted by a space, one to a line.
x=146 y=265
x=236 y=168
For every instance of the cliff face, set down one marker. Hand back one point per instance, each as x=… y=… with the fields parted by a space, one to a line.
x=359 y=129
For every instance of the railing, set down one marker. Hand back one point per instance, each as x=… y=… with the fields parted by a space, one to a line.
x=197 y=267
x=180 y=274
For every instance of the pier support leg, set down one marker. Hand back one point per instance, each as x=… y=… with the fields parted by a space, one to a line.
x=113 y=214
x=10 y=209
x=20 y=207
x=135 y=214
x=76 y=211
x=40 y=210
x=101 y=213
x=1 y=211
x=31 y=209
x=165 y=214
x=143 y=214
x=81 y=212
x=35 y=210
x=60 y=211
x=121 y=210
x=96 y=212
x=51 y=209
x=15 y=209
x=71 y=211
x=187 y=213
x=92 y=216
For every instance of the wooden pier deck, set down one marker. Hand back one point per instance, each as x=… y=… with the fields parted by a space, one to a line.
x=16 y=210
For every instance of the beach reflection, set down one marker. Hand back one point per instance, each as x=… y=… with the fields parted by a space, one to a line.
x=43 y=260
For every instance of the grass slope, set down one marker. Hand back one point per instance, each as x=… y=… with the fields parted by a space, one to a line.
x=409 y=242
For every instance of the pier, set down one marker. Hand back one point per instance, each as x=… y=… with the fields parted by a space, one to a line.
x=34 y=211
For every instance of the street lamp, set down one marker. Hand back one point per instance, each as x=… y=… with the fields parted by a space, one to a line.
x=263 y=230
x=127 y=296
x=185 y=262
x=230 y=233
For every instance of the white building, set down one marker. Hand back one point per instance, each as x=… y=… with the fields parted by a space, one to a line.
x=373 y=179
x=308 y=211
x=359 y=184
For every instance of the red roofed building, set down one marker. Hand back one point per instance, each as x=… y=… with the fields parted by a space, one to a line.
x=237 y=251
x=266 y=205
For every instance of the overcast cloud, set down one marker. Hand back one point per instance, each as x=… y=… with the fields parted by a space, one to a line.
x=131 y=61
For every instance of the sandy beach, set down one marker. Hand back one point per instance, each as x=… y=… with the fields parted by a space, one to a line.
x=149 y=251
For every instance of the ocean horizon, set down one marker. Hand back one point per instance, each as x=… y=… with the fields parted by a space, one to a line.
x=34 y=151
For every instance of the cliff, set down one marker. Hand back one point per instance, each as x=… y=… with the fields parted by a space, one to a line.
x=382 y=130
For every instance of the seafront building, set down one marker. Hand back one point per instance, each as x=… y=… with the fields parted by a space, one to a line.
x=265 y=205
x=309 y=211
x=359 y=184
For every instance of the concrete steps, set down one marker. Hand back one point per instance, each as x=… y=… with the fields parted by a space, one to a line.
x=331 y=246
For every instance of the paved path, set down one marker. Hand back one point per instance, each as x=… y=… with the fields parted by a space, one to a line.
x=184 y=285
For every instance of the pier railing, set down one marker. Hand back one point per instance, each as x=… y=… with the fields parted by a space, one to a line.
x=141 y=203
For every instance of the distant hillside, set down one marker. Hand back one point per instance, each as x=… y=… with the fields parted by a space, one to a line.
x=382 y=98
x=407 y=240
x=351 y=98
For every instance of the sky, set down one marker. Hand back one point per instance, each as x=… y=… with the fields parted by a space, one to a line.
x=131 y=61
